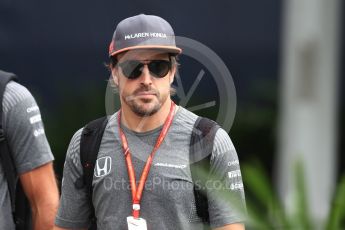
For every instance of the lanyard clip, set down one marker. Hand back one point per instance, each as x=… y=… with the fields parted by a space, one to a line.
x=136 y=211
x=136 y=207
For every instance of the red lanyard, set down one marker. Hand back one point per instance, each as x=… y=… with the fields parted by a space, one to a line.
x=137 y=191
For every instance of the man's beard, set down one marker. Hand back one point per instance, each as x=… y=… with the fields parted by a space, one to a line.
x=139 y=108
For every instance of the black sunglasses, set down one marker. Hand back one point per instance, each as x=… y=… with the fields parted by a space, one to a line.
x=132 y=69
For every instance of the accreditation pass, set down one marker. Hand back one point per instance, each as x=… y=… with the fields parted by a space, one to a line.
x=136 y=223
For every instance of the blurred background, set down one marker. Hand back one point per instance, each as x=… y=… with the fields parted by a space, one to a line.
x=285 y=58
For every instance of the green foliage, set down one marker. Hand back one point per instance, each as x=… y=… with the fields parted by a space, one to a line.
x=266 y=211
x=336 y=217
x=257 y=181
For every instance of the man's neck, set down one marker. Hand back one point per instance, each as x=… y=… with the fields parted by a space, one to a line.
x=144 y=124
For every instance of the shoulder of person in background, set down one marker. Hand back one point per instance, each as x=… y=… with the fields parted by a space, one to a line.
x=25 y=154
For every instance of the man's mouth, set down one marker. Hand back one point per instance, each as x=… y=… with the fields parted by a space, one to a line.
x=145 y=93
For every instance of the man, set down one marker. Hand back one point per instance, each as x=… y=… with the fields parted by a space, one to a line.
x=24 y=133
x=142 y=178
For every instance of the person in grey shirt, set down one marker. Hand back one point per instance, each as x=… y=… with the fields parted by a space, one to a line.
x=148 y=126
x=24 y=132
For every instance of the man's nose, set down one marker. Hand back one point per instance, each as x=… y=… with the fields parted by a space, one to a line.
x=145 y=77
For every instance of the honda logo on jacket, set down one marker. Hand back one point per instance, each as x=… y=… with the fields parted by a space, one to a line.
x=103 y=166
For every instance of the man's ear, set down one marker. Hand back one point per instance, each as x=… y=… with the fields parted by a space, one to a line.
x=114 y=74
x=172 y=76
